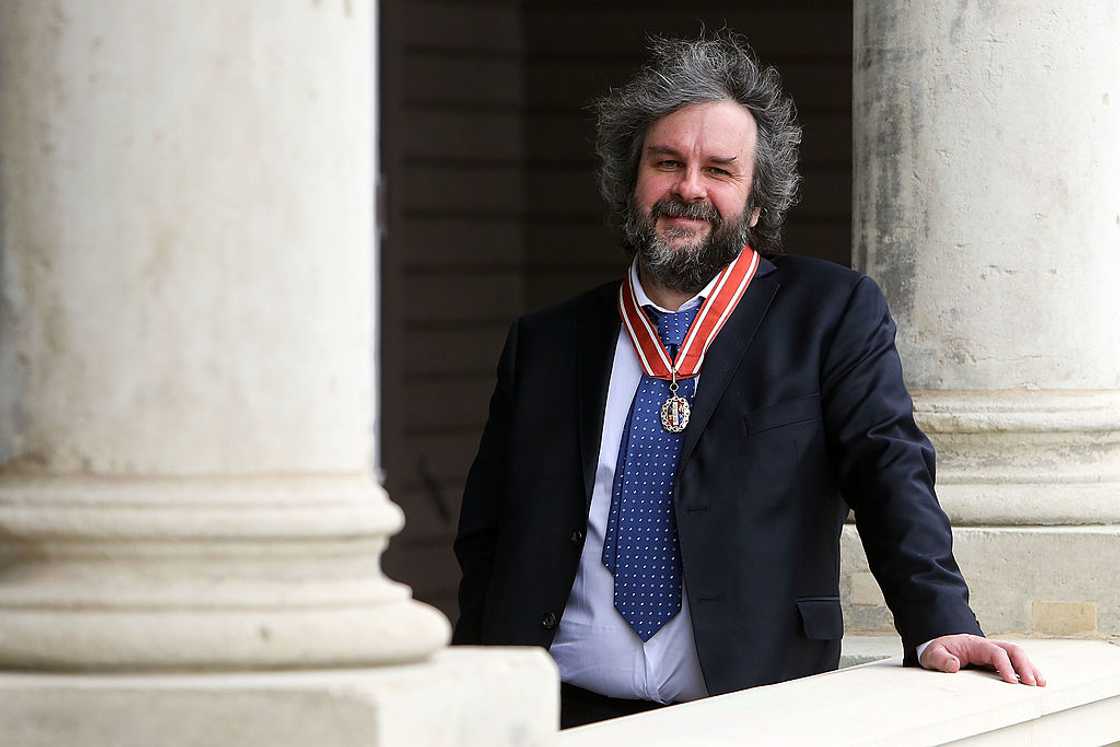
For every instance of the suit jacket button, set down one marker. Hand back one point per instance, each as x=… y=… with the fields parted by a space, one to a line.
x=548 y=622
x=577 y=536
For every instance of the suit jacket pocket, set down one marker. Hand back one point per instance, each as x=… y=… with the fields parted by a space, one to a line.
x=788 y=412
x=821 y=618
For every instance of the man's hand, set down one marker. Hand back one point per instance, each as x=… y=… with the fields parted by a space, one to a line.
x=951 y=652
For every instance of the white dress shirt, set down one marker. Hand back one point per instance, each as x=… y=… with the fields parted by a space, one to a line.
x=595 y=648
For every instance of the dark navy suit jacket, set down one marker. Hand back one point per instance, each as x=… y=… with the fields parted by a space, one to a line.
x=801 y=413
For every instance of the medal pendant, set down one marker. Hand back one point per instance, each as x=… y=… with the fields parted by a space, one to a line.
x=674 y=414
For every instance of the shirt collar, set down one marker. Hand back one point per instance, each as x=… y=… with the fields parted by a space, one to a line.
x=644 y=300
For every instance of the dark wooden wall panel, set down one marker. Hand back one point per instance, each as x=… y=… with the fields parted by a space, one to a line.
x=498 y=211
x=437 y=133
x=455 y=351
x=479 y=28
x=460 y=250
x=443 y=241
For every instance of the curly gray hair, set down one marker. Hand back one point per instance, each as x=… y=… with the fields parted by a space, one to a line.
x=691 y=71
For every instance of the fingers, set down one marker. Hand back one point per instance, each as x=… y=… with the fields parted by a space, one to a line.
x=937 y=657
x=1028 y=673
x=997 y=658
x=1020 y=662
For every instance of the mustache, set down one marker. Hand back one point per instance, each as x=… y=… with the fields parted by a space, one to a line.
x=672 y=208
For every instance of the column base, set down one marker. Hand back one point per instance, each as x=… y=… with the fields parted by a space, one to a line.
x=463 y=696
x=1020 y=457
x=236 y=572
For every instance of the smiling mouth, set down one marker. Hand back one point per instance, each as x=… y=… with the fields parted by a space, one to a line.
x=694 y=222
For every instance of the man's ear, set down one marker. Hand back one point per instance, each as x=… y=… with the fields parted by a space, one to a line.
x=755 y=212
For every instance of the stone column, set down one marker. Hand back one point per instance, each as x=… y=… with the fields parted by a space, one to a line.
x=186 y=382
x=987 y=169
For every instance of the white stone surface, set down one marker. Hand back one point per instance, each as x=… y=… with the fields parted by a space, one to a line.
x=883 y=703
x=986 y=172
x=186 y=416
x=490 y=697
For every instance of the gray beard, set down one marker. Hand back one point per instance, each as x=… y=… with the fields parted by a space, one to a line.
x=688 y=268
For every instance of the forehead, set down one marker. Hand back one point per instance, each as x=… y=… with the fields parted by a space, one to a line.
x=712 y=128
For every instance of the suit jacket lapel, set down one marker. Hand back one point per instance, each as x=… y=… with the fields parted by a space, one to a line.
x=598 y=337
x=728 y=349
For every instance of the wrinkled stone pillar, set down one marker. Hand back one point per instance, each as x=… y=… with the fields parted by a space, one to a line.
x=186 y=379
x=987 y=166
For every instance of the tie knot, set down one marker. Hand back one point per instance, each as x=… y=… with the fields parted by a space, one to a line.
x=672 y=327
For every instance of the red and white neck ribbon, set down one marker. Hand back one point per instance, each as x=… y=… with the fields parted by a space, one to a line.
x=730 y=286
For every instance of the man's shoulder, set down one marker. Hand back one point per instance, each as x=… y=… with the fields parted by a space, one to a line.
x=826 y=283
x=822 y=295
x=818 y=273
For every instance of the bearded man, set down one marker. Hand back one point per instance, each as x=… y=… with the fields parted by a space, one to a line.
x=669 y=460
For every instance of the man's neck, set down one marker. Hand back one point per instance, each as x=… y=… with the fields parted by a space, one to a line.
x=664 y=297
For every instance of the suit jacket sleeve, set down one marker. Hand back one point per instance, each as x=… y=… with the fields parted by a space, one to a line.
x=886 y=469
x=480 y=516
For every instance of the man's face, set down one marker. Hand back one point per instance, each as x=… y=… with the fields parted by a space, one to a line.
x=687 y=217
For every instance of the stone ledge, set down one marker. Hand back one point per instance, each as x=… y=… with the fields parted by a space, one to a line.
x=884 y=703
x=487 y=697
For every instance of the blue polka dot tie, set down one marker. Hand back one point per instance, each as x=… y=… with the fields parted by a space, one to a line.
x=641 y=548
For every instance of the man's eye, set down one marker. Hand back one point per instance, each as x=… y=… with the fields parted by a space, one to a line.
x=668 y=164
x=718 y=171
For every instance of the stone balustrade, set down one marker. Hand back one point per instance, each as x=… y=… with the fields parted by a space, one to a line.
x=883 y=703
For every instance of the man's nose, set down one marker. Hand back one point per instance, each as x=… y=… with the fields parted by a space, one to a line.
x=690 y=186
